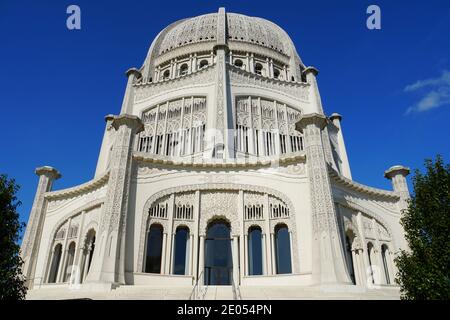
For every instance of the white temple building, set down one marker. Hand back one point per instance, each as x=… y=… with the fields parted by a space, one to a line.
x=221 y=178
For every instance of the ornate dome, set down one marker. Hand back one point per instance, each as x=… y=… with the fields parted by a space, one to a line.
x=238 y=28
x=201 y=33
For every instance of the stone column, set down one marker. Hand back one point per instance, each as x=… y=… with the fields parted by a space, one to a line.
x=328 y=263
x=171 y=264
x=273 y=260
x=194 y=63
x=80 y=238
x=244 y=256
x=264 y=255
x=79 y=249
x=267 y=235
x=32 y=238
x=170 y=234
x=364 y=256
x=358 y=266
x=133 y=74
x=108 y=266
x=276 y=136
x=235 y=252
x=252 y=63
x=191 y=255
x=201 y=260
x=345 y=169
x=291 y=245
x=242 y=232
x=164 y=253
x=195 y=249
x=62 y=270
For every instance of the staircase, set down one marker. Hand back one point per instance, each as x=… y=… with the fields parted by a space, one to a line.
x=209 y=292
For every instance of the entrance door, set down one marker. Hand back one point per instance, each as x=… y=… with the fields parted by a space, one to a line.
x=218 y=258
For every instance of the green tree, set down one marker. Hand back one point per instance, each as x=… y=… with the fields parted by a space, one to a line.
x=423 y=270
x=11 y=280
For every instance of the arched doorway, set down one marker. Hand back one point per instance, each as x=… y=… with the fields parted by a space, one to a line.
x=218 y=258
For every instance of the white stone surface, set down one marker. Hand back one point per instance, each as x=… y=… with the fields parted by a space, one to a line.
x=218 y=127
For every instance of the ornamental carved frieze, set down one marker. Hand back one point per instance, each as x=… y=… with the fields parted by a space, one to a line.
x=216 y=205
x=220 y=91
x=293 y=169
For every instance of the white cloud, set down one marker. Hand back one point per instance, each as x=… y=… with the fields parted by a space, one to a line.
x=435 y=93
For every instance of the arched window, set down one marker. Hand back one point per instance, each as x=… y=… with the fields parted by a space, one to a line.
x=371 y=256
x=385 y=257
x=348 y=247
x=166 y=75
x=69 y=261
x=282 y=249
x=238 y=63
x=56 y=259
x=258 y=68
x=203 y=63
x=180 y=265
x=254 y=251
x=88 y=253
x=184 y=69
x=276 y=73
x=154 y=249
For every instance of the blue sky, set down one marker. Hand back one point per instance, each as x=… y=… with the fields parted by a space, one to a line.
x=392 y=86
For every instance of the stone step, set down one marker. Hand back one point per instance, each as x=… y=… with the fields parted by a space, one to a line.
x=297 y=292
x=220 y=293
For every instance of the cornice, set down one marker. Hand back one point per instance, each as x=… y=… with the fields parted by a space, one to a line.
x=298 y=90
x=219 y=163
x=140 y=84
x=343 y=181
x=145 y=90
x=77 y=190
x=267 y=79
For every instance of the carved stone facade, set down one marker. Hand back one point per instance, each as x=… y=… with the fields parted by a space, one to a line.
x=222 y=128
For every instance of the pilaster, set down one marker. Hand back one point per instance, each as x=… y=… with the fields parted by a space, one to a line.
x=32 y=238
x=109 y=264
x=329 y=266
x=222 y=122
